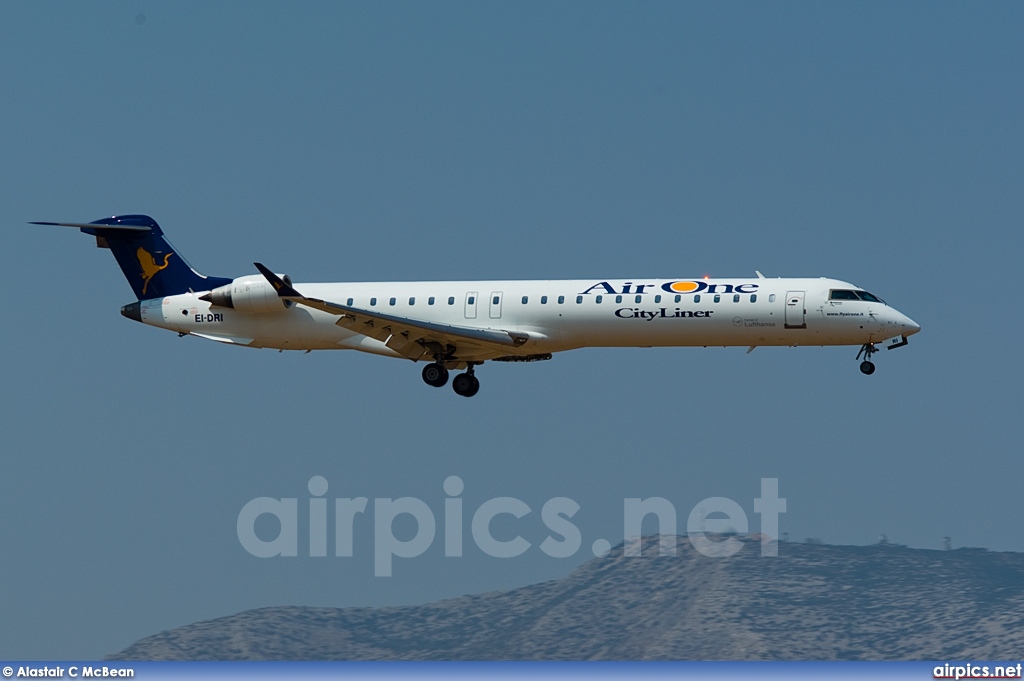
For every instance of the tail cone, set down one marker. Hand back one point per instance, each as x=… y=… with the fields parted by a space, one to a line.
x=133 y=311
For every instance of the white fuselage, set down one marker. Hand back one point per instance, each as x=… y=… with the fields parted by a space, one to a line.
x=556 y=315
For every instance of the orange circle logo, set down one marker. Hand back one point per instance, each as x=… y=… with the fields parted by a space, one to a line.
x=684 y=286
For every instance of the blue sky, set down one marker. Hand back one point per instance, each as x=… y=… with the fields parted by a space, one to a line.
x=878 y=143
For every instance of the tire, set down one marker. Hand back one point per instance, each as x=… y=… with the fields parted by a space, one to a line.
x=465 y=385
x=435 y=374
x=867 y=368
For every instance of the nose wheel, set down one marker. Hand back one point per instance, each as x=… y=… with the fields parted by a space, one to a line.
x=466 y=384
x=867 y=367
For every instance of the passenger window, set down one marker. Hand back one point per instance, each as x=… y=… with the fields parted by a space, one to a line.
x=494 y=300
x=753 y=297
x=350 y=302
x=618 y=299
x=771 y=298
x=412 y=301
x=430 y=300
x=543 y=300
x=373 y=301
x=718 y=298
x=451 y=300
x=696 y=298
x=525 y=299
x=639 y=298
x=472 y=300
x=579 y=299
x=736 y=298
x=679 y=298
x=392 y=301
x=561 y=299
x=598 y=299
x=657 y=299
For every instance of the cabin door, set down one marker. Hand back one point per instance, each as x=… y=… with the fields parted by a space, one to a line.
x=795 y=311
x=496 y=304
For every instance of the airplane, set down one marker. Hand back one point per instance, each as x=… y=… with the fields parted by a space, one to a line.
x=459 y=325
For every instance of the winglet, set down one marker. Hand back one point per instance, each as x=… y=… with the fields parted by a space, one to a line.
x=284 y=290
x=759 y=275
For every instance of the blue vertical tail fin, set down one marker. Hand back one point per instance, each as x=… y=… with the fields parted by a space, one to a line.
x=152 y=266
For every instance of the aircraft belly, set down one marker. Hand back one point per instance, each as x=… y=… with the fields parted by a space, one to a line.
x=357 y=341
x=297 y=329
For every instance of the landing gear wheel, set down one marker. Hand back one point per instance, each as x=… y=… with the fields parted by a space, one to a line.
x=435 y=374
x=867 y=367
x=466 y=385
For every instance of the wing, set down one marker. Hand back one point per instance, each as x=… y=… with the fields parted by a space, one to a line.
x=412 y=338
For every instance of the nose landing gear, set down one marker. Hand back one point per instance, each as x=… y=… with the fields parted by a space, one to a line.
x=867 y=367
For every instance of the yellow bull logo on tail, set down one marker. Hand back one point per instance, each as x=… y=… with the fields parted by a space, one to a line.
x=150 y=268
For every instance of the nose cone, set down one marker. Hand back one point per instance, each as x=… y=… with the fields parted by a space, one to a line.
x=908 y=325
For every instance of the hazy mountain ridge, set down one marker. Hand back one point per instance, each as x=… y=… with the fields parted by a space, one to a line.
x=810 y=602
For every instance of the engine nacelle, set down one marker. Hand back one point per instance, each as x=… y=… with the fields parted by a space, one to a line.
x=249 y=294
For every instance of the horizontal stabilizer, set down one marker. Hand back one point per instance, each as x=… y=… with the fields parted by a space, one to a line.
x=87 y=225
x=153 y=268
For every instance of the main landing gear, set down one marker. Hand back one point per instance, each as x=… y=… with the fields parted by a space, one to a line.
x=466 y=384
x=435 y=374
x=867 y=367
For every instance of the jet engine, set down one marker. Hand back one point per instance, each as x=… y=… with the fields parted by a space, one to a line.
x=249 y=294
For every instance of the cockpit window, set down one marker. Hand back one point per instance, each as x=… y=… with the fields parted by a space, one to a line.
x=864 y=295
x=838 y=294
